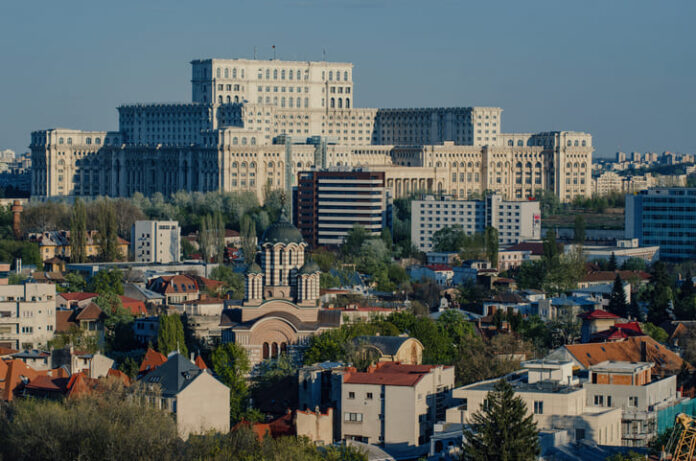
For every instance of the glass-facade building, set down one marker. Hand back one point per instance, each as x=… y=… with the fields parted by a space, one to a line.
x=664 y=216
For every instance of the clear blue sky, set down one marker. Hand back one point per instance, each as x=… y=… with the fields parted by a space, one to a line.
x=621 y=70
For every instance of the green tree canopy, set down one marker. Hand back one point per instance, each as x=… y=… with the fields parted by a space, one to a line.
x=501 y=430
x=231 y=364
x=170 y=335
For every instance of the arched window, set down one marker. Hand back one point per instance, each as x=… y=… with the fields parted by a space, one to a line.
x=576 y=143
x=469 y=165
x=333 y=103
x=229 y=100
x=518 y=165
x=69 y=140
x=60 y=140
x=340 y=103
x=537 y=165
x=282 y=74
x=584 y=143
x=438 y=164
x=511 y=142
x=244 y=164
x=338 y=75
x=347 y=103
x=568 y=165
x=266 y=351
x=330 y=75
x=520 y=143
x=234 y=73
x=97 y=140
x=583 y=165
x=570 y=143
x=345 y=76
x=235 y=165
x=270 y=164
x=274 y=350
x=299 y=164
x=268 y=74
x=236 y=99
x=253 y=141
x=252 y=165
x=220 y=99
x=528 y=165
x=244 y=140
x=275 y=74
x=235 y=140
x=217 y=72
x=227 y=73
x=290 y=74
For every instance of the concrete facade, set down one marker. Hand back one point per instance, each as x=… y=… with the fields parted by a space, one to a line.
x=515 y=221
x=202 y=406
x=27 y=315
x=156 y=242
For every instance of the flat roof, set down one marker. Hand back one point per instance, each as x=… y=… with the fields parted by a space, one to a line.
x=620 y=366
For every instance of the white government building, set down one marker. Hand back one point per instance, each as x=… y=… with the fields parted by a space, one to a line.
x=253 y=123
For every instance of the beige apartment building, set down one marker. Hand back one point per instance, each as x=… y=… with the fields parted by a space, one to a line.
x=253 y=123
x=394 y=405
x=555 y=400
x=27 y=315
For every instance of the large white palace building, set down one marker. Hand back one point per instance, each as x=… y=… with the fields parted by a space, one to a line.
x=254 y=124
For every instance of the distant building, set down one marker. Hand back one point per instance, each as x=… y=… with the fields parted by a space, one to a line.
x=393 y=405
x=665 y=217
x=623 y=250
x=27 y=315
x=57 y=244
x=156 y=241
x=327 y=204
x=515 y=221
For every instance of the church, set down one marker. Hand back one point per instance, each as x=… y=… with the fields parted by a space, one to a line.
x=281 y=307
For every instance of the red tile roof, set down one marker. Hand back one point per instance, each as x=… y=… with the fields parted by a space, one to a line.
x=536 y=248
x=628 y=350
x=152 y=360
x=90 y=312
x=64 y=321
x=7 y=351
x=598 y=314
x=135 y=306
x=439 y=267
x=173 y=284
x=389 y=374
x=78 y=296
x=610 y=276
x=200 y=363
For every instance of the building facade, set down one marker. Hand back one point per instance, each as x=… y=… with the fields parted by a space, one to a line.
x=515 y=221
x=327 y=204
x=664 y=217
x=253 y=124
x=156 y=241
x=27 y=315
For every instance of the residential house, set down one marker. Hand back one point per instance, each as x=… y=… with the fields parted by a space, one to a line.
x=506 y=302
x=199 y=402
x=175 y=288
x=75 y=299
x=90 y=319
x=151 y=360
x=442 y=274
x=57 y=244
x=203 y=318
x=149 y=297
x=439 y=257
x=595 y=321
x=146 y=329
x=552 y=397
x=401 y=349
x=15 y=374
x=630 y=387
x=633 y=349
x=394 y=405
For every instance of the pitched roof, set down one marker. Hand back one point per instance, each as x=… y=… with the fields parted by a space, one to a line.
x=507 y=298
x=536 y=248
x=118 y=374
x=135 y=306
x=78 y=296
x=200 y=363
x=610 y=276
x=64 y=321
x=152 y=360
x=7 y=351
x=618 y=331
x=387 y=345
x=389 y=374
x=628 y=350
x=173 y=375
x=173 y=284
x=90 y=312
x=439 y=267
x=598 y=314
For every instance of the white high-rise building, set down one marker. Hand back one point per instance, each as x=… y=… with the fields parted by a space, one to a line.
x=515 y=221
x=156 y=241
x=27 y=315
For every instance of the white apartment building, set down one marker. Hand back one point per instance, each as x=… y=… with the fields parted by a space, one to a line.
x=515 y=221
x=393 y=404
x=27 y=315
x=256 y=122
x=156 y=241
x=553 y=397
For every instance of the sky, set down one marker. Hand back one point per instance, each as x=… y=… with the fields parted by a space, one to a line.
x=620 y=70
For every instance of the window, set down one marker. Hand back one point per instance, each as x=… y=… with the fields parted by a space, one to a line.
x=633 y=401
x=465 y=405
x=353 y=417
x=538 y=407
x=369 y=396
x=599 y=400
x=351 y=395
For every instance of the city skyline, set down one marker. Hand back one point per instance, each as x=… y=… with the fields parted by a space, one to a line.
x=605 y=61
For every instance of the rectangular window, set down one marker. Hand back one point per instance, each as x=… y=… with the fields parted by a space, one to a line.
x=599 y=400
x=633 y=401
x=351 y=395
x=353 y=417
x=538 y=407
x=369 y=396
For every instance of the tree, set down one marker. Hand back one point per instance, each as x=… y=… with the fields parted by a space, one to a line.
x=78 y=232
x=354 y=239
x=170 y=336
x=617 y=300
x=231 y=364
x=659 y=293
x=248 y=235
x=503 y=429
x=551 y=250
x=107 y=281
x=655 y=332
x=233 y=281
x=612 y=265
x=107 y=231
x=579 y=234
x=75 y=282
x=492 y=245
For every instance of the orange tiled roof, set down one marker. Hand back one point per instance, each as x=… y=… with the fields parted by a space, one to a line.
x=78 y=296
x=118 y=374
x=90 y=312
x=627 y=350
x=64 y=321
x=610 y=276
x=152 y=360
x=200 y=363
x=389 y=374
x=135 y=306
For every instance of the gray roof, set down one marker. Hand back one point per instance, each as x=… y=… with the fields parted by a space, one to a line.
x=309 y=267
x=388 y=345
x=254 y=269
x=173 y=375
x=282 y=231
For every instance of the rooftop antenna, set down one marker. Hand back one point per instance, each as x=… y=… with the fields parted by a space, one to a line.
x=323 y=53
x=274 y=52
x=254 y=53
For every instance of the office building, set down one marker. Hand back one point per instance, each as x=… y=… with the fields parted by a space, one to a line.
x=515 y=221
x=664 y=217
x=254 y=124
x=156 y=241
x=27 y=315
x=327 y=204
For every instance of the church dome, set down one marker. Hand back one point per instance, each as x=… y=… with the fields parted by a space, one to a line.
x=282 y=231
x=310 y=267
x=254 y=269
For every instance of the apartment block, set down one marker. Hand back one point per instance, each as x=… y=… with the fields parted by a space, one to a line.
x=665 y=217
x=156 y=241
x=394 y=405
x=327 y=204
x=629 y=386
x=554 y=399
x=515 y=221
x=27 y=315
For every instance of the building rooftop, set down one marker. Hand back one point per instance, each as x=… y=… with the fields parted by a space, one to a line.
x=614 y=366
x=598 y=314
x=389 y=374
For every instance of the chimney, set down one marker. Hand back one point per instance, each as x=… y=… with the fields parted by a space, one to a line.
x=16 y=220
x=643 y=351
